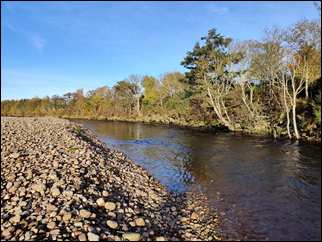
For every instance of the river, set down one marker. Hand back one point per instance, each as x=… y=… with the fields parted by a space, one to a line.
x=262 y=188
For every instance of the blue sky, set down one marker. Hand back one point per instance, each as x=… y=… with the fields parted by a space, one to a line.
x=51 y=48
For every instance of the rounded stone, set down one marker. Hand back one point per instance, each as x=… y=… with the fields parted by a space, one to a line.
x=131 y=236
x=82 y=237
x=67 y=216
x=15 y=155
x=84 y=213
x=6 y=233
x=105 y=193
x=51 y=225
x=194 y=216
x=39 y=187
x=100 y=202
x=139 y=222
x=112 y=224
x=15 y=219
x=92 y=237
x=160 y=238
x=110 y=206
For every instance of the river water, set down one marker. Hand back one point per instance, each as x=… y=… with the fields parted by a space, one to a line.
x=262 y=188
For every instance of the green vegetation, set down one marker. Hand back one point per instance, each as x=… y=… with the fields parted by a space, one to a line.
x=73 y=149
x=77 y=130
x=270 y=86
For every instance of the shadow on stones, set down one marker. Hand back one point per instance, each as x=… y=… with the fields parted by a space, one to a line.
x=164 y=218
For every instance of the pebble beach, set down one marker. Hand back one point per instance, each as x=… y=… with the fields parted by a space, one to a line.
x=59 y=182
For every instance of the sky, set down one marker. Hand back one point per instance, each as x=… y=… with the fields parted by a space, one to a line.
x=50 y=48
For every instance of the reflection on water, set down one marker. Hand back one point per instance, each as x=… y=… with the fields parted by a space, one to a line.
x=263 y=189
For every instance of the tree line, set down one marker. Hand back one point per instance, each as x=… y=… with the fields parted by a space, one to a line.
x=259 y=86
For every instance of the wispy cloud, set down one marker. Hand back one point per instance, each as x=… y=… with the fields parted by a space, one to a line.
x=37 y=42
x=218 y=10
x=9 y=26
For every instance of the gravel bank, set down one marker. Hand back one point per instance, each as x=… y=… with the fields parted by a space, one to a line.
x=58 y=182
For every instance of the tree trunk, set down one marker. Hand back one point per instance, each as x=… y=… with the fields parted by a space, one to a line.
x=251 y=95
x=245 y=102
x=306 y=89
x=138 y=106
x=225 y=110
x=218 y=111
x=287 y=111
x=294 y=119
x=288 y=123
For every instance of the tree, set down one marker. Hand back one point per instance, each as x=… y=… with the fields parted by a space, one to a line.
x=172 y=84
x=125 y=92
x=257 y=85
x=77 y=103
x=210 y=74
x=304 y=37
x=266 y=65
x=97 y=100
x=246 y=80
x=285 y=67
x=151 y=90
x=136 y=80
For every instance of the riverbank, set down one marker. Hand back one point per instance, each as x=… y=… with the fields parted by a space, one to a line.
x=60 y=182
x=199 y=126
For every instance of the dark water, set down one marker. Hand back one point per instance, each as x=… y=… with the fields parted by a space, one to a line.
x=263 y=189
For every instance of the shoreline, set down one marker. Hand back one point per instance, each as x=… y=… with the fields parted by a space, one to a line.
x=61 y=182
x=207 y=129
x=200 y=128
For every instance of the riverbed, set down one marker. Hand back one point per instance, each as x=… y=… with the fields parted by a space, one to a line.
x=262 y=188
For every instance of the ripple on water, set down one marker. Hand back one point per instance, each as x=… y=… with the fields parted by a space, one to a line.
x=262 y=188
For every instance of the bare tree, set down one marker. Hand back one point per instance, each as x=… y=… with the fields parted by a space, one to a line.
x=304 y=37
x=270 y=65
x=137 y=80
x=245 y=79
x=216 y=85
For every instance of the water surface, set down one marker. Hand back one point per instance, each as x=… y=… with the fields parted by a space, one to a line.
x=262 y=188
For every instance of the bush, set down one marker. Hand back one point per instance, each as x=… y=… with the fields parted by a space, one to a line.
x=317 y=109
